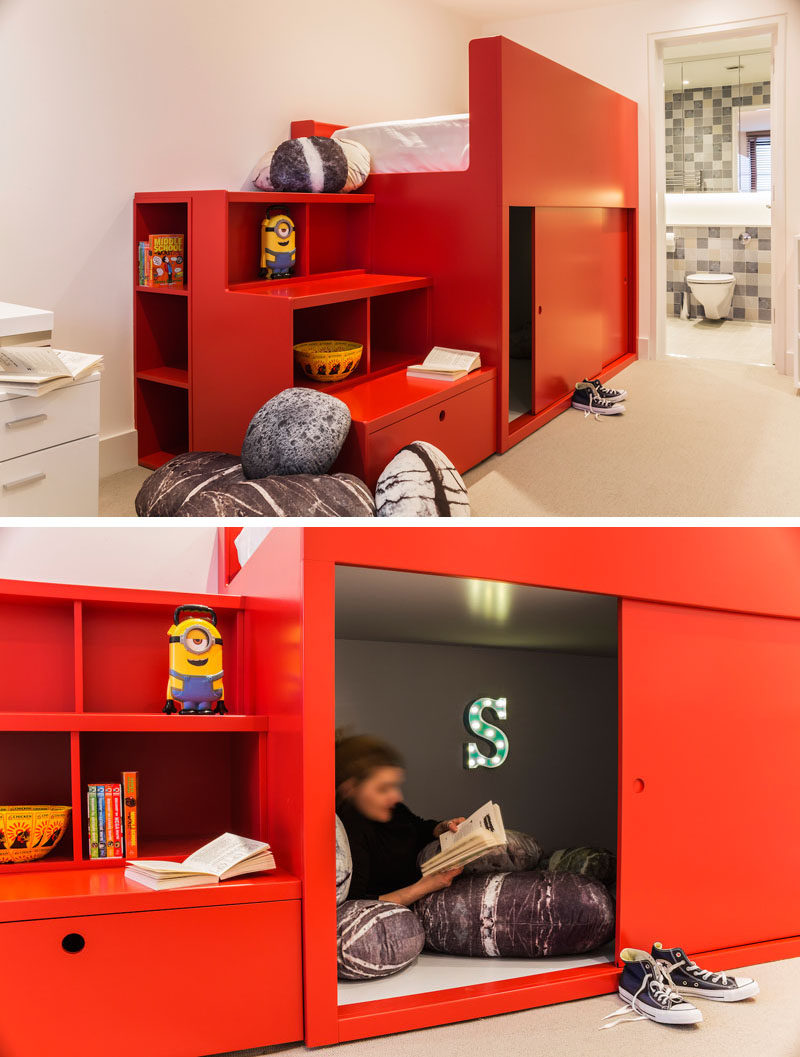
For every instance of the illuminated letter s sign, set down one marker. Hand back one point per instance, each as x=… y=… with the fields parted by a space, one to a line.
x=476 y=724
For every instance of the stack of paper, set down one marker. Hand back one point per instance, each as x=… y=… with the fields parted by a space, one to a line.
x=29 y=371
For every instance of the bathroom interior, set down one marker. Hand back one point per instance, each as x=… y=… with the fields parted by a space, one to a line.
x=718 y=200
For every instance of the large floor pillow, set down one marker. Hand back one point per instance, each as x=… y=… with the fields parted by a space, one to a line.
x=344 y=863
x=375 y=938
x=521 y=852
x=165 y=490
x=299 y=495
x=532 y=914
x=297 y=431
x=421 y=481
x=597 y=863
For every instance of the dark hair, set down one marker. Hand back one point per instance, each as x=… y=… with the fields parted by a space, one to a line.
x=358 y=755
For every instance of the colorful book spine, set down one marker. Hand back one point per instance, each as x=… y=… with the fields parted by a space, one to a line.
x=116 y=794
x=102 y=851
x=91 y=814
x=130 y=797
x=109 y=805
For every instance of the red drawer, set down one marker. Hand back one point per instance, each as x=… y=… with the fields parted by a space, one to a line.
x=168 y=983
x=462 y=426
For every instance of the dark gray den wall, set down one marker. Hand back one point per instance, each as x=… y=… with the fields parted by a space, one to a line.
x=559 y=781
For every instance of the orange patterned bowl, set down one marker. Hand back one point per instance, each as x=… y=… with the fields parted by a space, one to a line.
x=328 y=361
x=30 y=831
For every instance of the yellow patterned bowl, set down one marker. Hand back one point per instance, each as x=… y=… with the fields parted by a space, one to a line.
x=30 y=831
x=328 y=361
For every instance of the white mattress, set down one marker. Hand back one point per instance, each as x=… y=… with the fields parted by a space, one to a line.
x=426 y=144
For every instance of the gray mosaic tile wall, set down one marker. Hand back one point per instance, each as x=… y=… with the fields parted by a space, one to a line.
x=701 y=155
x=717 y=249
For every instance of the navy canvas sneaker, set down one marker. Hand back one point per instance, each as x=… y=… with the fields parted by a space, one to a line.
x=689 y=979
x=613 y=396
x=646 y=989
x=585 y=398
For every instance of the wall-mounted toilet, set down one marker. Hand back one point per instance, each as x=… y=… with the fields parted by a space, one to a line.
x=714 y=291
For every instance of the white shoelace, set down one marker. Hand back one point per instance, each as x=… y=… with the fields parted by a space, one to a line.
x=692 y=967
x=661 y=987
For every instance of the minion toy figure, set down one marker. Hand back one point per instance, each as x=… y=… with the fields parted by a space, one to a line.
x=278 y=249
x=195 y=664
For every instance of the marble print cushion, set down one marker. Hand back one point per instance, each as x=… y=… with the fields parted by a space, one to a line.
x=598 y=863
x=297 y=431
x=164 y=491
x=344 y=863
x=375 y=938
x=521 y=852
x=531 y=914
x=421 y=481
x=300 y=495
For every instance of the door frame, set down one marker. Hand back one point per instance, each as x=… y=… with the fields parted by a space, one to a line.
x=775 y=25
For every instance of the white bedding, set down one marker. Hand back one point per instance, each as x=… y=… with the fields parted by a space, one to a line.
x=426 y=144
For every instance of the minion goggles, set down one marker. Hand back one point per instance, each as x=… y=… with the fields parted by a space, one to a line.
x=203 y=639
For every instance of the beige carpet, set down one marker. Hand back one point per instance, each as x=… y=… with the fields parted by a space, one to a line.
x=766 y=1026
x=118 y=492
x=699 y=438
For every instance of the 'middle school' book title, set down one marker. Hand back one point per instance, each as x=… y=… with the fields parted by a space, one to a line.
x=162 y=261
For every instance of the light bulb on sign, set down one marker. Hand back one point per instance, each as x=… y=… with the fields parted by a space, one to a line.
x=476 y=724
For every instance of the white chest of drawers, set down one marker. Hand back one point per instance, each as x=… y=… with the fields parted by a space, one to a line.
x=49 y=452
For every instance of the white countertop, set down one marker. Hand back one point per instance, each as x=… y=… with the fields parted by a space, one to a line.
x=19 y=319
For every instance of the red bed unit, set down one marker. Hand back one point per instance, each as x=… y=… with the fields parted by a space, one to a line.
x=412 y=261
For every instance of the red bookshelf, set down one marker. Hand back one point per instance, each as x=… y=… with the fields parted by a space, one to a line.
x=85 y=678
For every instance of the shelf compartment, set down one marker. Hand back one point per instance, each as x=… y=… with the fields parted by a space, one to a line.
x=339 y=236
x=162 y=421
x=37 y=655
x=162 y=332
x=324 y=291
x=126 y=660
x=164 y=217
x=191 y=785
x=176 y=376
x=340 y=321
x=244 y=237
x=181 y=291
x=36 y=770
x=399 y=329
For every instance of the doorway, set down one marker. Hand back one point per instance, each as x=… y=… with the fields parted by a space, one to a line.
x=717 y=150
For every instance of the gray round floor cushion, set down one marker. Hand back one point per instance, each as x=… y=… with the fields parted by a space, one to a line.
x=344 y=863
x=522 y=852
x=530 y=914
x=421 y=481
x=297 y=431
x=375 y=938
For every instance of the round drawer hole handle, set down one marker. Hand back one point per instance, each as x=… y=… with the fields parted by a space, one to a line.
x=73 y=942
x=442 y=416
x=638 y=785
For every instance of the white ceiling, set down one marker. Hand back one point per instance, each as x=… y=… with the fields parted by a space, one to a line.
x=385 y=606
x=499 y=9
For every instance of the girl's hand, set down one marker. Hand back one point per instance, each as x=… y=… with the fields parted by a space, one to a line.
x=450 y=824
x=435 y=881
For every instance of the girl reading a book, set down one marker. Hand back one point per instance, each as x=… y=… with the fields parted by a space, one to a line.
x=385 y=836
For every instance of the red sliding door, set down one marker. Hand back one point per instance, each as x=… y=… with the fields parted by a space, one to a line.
x=709 y=784
x=580 y=297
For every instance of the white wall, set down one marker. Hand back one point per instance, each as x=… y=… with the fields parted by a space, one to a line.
x=609 y=44
x=102 y=99
x=171 y=558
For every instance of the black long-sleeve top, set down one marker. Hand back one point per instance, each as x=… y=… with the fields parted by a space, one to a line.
x=384 y=853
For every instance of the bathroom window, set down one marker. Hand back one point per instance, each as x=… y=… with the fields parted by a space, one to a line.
x=759 y=156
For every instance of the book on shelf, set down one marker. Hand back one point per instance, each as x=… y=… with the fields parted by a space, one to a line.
x=104 y=820
x=476 y=835
x=130 y=798
x=226 y=856
x=91 y=812
x=445 y=364
x=32 y=371
x=162 y=260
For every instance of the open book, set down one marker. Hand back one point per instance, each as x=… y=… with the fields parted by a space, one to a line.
x=445 y=364
x=476 y=835
x=31 y=371
x=227 y=856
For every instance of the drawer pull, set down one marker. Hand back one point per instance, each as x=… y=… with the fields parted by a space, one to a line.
x=442 y=416
x=73 y=942
x=27 y=421
x=34 y=477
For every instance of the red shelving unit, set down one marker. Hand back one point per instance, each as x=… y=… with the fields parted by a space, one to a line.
x=85 y=684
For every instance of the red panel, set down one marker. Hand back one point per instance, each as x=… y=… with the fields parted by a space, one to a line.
x=708 y=778
x=37 y=657
x=580 y=300
x=162 y=984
